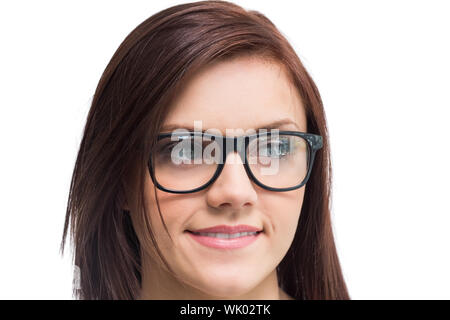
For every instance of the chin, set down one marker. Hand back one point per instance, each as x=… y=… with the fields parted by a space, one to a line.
x=227 y=286
x=229 y=292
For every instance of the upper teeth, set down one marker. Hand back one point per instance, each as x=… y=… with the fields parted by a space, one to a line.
x=226 y=235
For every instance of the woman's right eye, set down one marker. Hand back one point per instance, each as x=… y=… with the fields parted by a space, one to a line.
x=184 y=150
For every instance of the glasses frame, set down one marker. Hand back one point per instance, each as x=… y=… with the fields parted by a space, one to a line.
x=315 y=142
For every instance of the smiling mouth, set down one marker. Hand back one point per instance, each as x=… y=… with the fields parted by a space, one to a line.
x=221 y=240
x=225 y=235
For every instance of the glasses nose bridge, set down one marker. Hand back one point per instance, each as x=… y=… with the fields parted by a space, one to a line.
x=234 y=144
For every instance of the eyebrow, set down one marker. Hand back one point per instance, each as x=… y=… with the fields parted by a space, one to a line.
x=272 y=125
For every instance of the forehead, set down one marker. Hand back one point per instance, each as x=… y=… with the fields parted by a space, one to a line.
x=243 y=93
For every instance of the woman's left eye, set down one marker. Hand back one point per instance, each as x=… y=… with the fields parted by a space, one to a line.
x=275 y=149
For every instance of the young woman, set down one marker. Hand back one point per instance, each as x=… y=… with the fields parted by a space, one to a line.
x=250 y=219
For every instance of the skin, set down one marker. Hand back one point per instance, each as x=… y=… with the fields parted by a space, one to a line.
x=245 y=93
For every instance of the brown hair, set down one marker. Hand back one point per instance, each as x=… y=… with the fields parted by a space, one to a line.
x=127 y=111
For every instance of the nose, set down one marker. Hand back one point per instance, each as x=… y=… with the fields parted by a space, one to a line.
x=233 y=188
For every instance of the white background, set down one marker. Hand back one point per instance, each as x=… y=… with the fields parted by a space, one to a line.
x=383 y=70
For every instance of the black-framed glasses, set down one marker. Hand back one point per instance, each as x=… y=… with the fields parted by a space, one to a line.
x=190 y=161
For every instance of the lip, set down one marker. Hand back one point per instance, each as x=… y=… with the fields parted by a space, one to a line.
x=223 y=243
x=220 y=243
x=228 y=229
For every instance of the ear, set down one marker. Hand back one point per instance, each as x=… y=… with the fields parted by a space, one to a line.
x=128 y=192
x=124 y=197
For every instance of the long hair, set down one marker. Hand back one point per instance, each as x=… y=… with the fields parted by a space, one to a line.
x=127 y=111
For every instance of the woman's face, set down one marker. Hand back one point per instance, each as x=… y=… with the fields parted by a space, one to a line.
x=240 y=94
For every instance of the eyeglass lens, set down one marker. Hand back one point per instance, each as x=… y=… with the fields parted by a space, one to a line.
x=190 y=162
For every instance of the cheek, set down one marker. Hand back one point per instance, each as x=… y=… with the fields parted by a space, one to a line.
x=175 y=210
x=283 y=210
